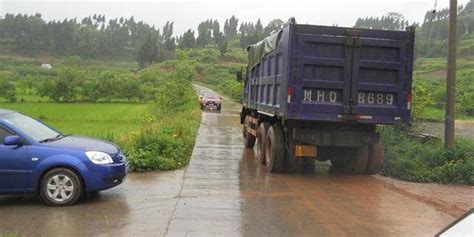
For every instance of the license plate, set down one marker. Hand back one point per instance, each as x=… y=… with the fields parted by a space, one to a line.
x=322 y=95
x=305 y=150
x=375 y=98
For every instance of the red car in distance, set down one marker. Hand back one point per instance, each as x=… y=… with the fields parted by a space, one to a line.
x=210 y=100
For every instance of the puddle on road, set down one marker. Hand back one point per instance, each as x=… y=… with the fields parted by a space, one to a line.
x=315 y=201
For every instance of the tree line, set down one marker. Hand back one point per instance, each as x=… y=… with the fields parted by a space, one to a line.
x=432 y=35
x=93 y=36
x=209 y=33
x=390 y=21
x=96 y=36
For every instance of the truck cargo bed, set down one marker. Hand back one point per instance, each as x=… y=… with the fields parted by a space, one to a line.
x=320 y=73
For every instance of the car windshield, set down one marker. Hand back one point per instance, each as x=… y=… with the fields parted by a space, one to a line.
x=211 y=96
x=36 y=130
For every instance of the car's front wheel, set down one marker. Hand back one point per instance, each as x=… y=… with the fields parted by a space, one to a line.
x=61 y=187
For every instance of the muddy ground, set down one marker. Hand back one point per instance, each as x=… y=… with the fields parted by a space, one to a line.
x=223 y=192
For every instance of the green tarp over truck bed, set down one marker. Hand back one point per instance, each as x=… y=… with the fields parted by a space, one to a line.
x=257 y=51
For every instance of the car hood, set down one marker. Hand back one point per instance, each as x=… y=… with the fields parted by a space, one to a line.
x=211 y=100
x=88 y=144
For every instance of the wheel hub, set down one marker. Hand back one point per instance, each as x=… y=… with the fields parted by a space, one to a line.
x=60 y=188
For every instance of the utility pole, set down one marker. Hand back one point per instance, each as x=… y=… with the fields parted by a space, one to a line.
x=451 y=80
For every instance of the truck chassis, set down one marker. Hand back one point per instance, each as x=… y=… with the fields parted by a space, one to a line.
x=283 y=145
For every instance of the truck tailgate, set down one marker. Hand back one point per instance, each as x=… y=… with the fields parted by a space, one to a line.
x=351 y=74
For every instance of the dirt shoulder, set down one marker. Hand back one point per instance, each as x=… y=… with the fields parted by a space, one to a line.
x=452 y=199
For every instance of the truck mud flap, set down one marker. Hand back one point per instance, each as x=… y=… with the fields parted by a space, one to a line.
x=248 y=127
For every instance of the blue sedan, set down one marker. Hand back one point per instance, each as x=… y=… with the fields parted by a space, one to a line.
x=35 y=158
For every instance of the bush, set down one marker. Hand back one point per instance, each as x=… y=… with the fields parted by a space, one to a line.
x=63 y=87
x=409 y=158
x=166 y=145
x=421 y=99
x=169 y=132
x=7 y=90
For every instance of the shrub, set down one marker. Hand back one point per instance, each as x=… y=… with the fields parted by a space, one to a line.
x=63 y=87
x=166 y=145
x=421 y=99
x=409 y=158
x=166 y=142
x=7 y=90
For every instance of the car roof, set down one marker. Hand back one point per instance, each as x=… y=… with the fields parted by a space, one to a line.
x=5 y=111
x=210 y=94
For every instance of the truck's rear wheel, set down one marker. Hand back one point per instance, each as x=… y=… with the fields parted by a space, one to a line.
x=275 y=149
x=261 y=135
x=375 y=158
x=249 y=139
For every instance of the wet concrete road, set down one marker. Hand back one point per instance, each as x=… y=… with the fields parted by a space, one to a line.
x=464 y=129
x=222 y=192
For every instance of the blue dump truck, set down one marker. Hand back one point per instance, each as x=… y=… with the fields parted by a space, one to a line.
x=318 y=93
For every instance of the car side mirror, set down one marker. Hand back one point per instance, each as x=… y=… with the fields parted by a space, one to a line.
x=239 y=76
x=12 y=141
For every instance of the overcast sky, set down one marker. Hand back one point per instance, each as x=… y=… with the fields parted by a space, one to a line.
x=188 y=13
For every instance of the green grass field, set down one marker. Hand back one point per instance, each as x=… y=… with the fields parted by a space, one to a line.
x=432 y=113
x=99 y=120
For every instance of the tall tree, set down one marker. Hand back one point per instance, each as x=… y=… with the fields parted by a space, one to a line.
x=216 y=33
x=204 y=33
x=230 y=27
x=148 y=52
x=273 y=26
x=187 y=40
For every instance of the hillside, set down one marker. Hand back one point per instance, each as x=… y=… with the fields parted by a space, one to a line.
x=218 y=51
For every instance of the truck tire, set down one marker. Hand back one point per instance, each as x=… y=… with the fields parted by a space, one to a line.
x=261 y=136
x=249 y=139
x=359 y=162
x=375 y=158
x=275 y=149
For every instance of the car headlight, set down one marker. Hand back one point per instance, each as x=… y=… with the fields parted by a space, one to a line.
x=99 y=158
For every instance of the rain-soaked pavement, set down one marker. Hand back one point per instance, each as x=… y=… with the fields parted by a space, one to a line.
x=464 y=129
x=222 y=192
